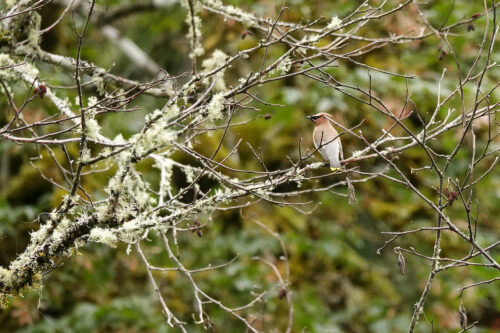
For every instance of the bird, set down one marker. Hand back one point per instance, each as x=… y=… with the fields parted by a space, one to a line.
x=326 y=140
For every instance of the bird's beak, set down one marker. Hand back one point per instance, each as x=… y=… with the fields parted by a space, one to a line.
x=311 y=118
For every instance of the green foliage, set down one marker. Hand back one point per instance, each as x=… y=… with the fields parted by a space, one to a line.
x=119 y=315
x=338 y=282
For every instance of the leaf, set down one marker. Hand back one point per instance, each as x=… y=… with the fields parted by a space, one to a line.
x=351 y=192
x=463 y=316
x=401 y=263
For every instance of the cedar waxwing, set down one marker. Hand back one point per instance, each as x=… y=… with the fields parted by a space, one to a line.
x=326 y=140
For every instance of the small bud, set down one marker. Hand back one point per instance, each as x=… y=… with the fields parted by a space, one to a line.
x=246 y=33
x=282 y=293
x=450 y=195
x=470 y=27
x=442 y=55
x=476 y=15
x=197 y=227
x=268 y=116
x=41 y=90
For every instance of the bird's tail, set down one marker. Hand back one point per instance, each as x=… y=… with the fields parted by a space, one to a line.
x=334 y=164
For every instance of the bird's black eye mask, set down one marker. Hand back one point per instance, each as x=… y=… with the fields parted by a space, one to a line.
x=313 y=118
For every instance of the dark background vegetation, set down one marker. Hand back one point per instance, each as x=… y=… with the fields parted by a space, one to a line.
x=338 y=282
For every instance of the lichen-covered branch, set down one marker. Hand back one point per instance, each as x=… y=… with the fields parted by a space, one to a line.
x=205 y=101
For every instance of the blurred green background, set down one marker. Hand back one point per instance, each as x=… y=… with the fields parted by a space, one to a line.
x=338 y=282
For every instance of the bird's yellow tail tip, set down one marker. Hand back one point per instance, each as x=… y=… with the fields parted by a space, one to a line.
x=335 y=169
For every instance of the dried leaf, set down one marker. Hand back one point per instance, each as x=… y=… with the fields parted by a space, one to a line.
x=463 y=316
x=401 y=263
x=351 y=192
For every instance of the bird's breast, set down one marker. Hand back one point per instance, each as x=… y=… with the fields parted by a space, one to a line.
x=324 y=136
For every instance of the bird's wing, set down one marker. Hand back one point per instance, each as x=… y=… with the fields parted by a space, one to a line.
x=324 y=134
x=319 y=139
x=333 y=150
x=318 y=136
x=341 y=152
x=327 y=142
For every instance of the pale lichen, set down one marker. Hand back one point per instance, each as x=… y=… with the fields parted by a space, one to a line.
x=104 y=236
x=169 y=113
x=15 y=69
x=86 y=156
x=63 y=103
x=33 y=29
x=335 y=23
x=194 y=27
x=247 y=18
x=215 y=107
x=99 y=82
x=217 y=60
x=156 y=137
x=283 y=66
x=130 y=193
x=357 y=154
x=172 y=111
x=93 y=128
x=166 y=170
